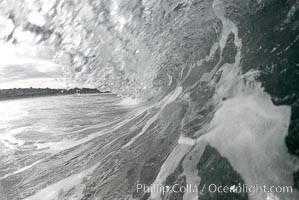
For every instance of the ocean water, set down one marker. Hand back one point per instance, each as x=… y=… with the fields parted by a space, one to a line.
x=51 y=132
x=204 y=93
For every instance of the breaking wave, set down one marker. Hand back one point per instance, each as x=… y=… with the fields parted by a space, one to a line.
x=213 y=73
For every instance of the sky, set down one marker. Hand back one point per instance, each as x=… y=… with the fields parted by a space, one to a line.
x=24 y=66
x=28 y=63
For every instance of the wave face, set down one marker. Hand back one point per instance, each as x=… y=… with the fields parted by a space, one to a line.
x=212 y=90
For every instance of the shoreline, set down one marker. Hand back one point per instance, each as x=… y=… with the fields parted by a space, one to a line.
x=19 y=93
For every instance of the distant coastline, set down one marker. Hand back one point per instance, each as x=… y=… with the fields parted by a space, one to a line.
x=16 y=93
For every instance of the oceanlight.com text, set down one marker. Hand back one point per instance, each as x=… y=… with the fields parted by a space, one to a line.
x=213 y=188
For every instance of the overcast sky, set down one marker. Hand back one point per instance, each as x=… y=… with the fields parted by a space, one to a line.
x=29 y=66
